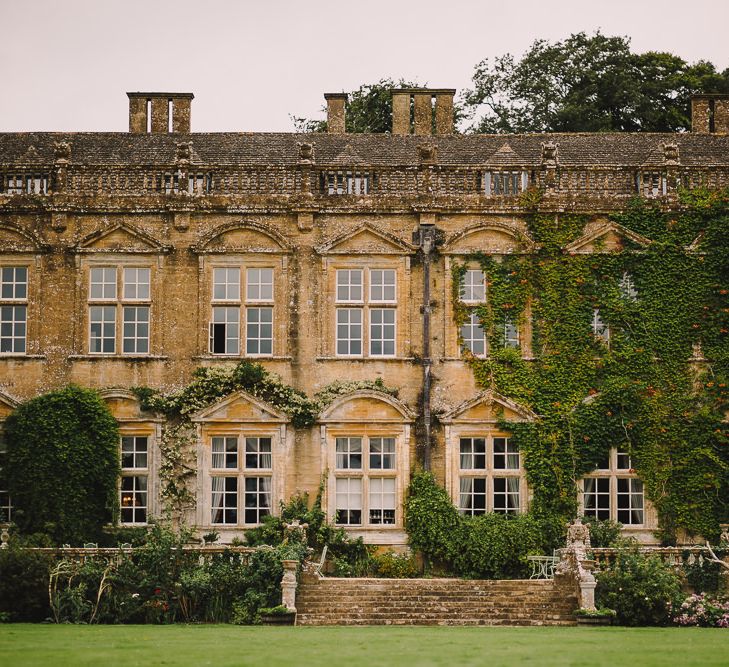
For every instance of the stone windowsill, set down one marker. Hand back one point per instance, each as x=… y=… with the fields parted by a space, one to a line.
x=366 y=359
x=19 y=357
x=117 y=357
x=233 y=357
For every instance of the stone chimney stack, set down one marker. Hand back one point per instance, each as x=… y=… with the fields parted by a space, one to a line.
x=425 y=116
x=159 y=113
x=710 y=113
x=336 y=103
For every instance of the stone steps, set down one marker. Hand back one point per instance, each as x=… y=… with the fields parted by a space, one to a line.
x=333 y=601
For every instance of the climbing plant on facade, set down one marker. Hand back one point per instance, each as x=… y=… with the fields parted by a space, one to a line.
x=63 y=464
x=654 y=386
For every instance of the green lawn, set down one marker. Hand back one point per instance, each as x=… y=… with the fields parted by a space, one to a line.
x=102 y=646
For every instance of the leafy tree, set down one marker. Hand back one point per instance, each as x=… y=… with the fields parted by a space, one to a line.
x=63 y=464
x=368 y=109
x=588 y=83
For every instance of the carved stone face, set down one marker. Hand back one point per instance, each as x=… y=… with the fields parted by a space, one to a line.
x=62 y=150
x=427 y=153
x=549 y=152
x=306 y=151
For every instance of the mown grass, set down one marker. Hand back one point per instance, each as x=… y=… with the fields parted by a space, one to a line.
x=222 y=645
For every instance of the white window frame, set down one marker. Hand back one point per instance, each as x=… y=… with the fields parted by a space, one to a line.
x=473 y=336
x=14 y=310
x=619 y=471
x=127 y=289
x=374 y=294
x=136 y=472
x=235 y=466
x=250 y=289
x=6 y=502
x=476 y=459
x=472 y=289
x=600 y=330
x=374 y=472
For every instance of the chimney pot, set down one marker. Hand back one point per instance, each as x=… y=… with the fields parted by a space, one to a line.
x=153 y=110
x=336 y=105
x=710 y=113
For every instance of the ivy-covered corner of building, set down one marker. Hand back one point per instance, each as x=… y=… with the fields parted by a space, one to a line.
x=630 y=351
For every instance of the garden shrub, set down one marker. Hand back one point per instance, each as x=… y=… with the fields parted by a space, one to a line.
x=642 y=589
x=488 y=546
x=351 y=557
x=24 y=583
x=604 y=532
x=706 y=611
x=391 y=565
x=63 y=465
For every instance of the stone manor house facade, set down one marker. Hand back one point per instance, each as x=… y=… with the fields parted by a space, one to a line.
x=130 y=259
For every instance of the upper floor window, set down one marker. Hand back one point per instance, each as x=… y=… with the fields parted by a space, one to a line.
x=240 y=479
x=473 y=286
x=13 y=309
x=505 y=182
x=489 y=476
x=613 y=491
x=367 y=324
x=365 y=481
x=627 y=287
x=119 y=295
x=600 y=330
x=240 y=307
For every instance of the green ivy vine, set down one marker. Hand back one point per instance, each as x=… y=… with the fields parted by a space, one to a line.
x=209 y=385
x=658 y=389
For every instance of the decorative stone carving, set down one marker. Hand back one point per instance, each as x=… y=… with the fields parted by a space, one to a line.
x=306 y=152
x=550 y=151
x=428 y=153
x=184 y=152
x=670 y=153
x=4 y=538
x=62 y=151
x=578 y=535
x=295 y=531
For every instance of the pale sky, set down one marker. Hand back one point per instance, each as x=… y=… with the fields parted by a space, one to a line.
x=67 y=64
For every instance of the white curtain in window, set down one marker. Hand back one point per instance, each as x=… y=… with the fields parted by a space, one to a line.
x=512 y=498
x=217 y=499
x=466 y=485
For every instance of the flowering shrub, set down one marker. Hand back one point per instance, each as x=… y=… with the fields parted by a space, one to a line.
x=642 y=589
x=706 y=611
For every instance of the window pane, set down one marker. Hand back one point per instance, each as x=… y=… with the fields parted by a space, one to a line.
x=349 y=285
x=136 y=283
x=14 y=282
x=473 y=287
x=472 y=497
x=102 y=283
x=473 y=336
x=133 y=499
x=226 y=284
x=102 y=329
x=258 y=453
x=13 y=329
x=349 y=453
x=382 y=332
x=225 y=330
x=348 y=500
x=382 y=284
x=382 y=500
x=259 y=284
x=349 y=331
x=382 y=453
x=224 y=500
x=257 y=499
x=259 y=331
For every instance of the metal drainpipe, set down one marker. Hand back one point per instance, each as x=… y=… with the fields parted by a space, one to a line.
x=426 y=243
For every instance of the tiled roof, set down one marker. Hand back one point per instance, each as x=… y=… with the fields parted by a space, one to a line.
x=281 y=149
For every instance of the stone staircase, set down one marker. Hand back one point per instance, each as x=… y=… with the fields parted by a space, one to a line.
x=334 y=601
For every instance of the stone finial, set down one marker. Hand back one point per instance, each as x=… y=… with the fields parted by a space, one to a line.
x=578 y=535
x=288 y=584
x=550 y=151
x=184 y=152
x=62 y=150
x=306 y=152
x=670 y=153
x=4 y=538
x=428 y=153
x=295 y=531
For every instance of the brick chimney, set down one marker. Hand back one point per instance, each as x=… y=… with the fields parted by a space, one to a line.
x=710 y=113
x=424 y=110
x=159 y=113
x=336 y=103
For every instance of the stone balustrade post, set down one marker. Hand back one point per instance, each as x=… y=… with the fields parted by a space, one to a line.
x=288 y=584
